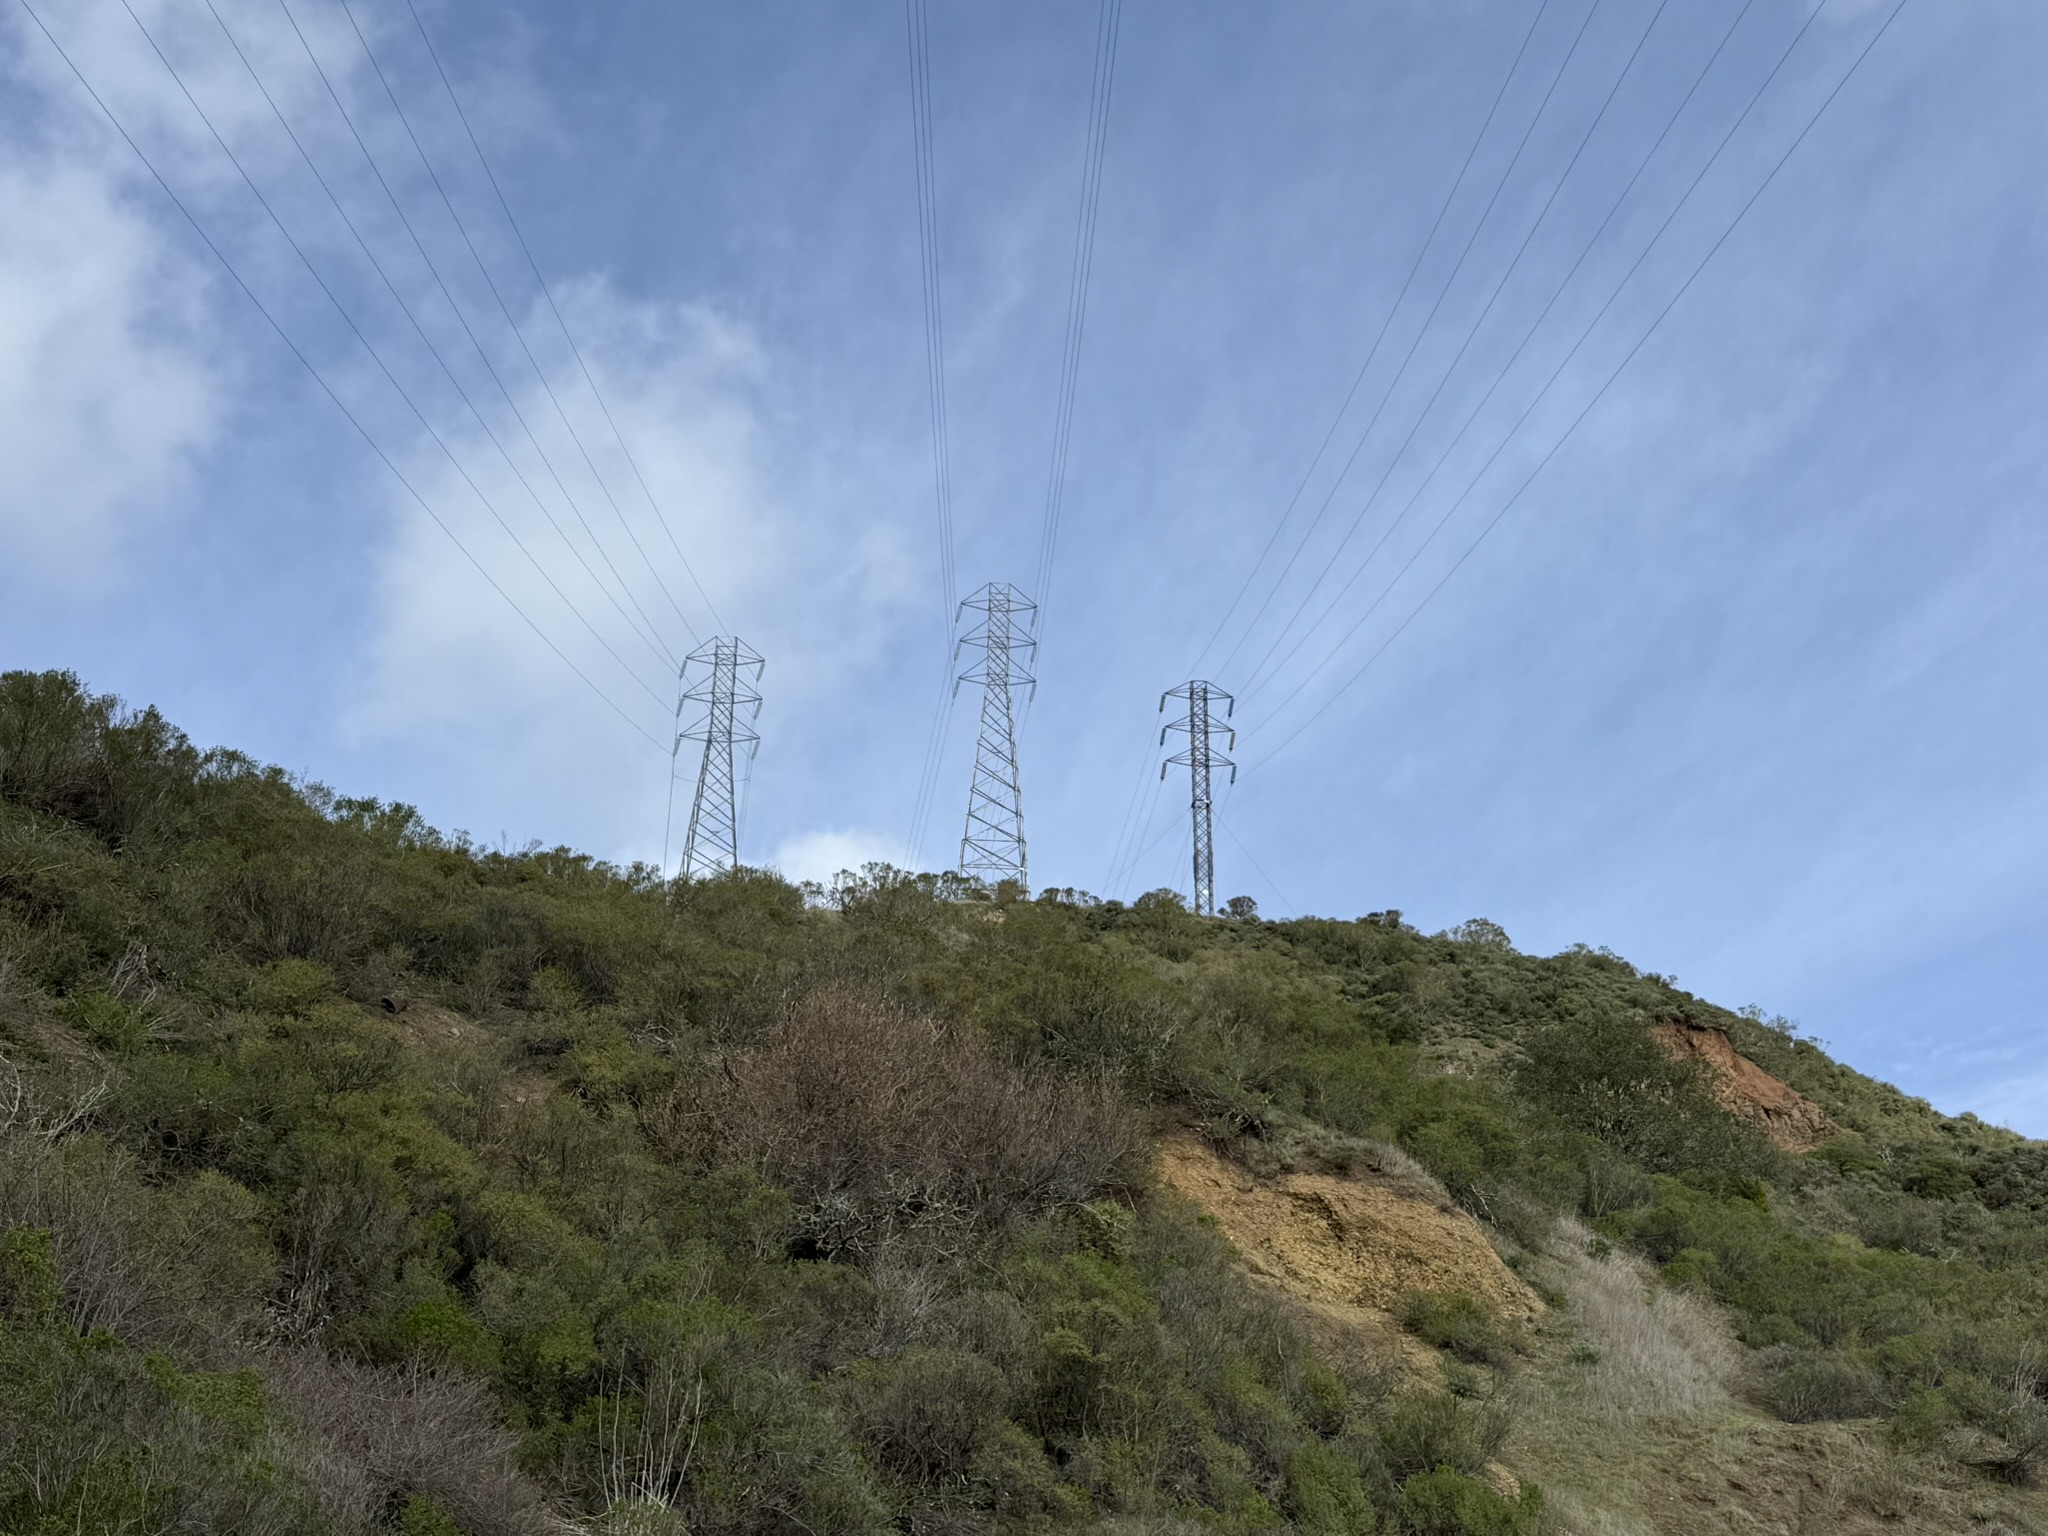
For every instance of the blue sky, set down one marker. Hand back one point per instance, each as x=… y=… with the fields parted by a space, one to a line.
x=1747 y=685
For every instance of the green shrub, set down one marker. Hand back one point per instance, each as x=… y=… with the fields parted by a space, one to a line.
x=1454 y=1321
x=925 y=1415
x=442 y=1330
x=29 y=1293
x=734 y=1206
x=1325 y=1401
x=1421 y=1431
x=424 y=1516
x=1325 y=1495
x=1923 y=1419
x=1012 y=1478
x=1602 y=1073
x=107 y=1022
x=1808 y=1389
x=1449 y=1503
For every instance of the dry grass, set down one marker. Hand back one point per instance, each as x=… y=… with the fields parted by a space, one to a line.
x=1629 y=1424
x=1659 y=1351
x=1727 y=1472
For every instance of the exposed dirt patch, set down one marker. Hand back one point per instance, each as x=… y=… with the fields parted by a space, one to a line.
x=445 y=1039
x=435 y=1027
x=1746 y=1090
x=1348 y=1246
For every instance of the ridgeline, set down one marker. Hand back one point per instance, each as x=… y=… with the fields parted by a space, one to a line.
x=355 y=1178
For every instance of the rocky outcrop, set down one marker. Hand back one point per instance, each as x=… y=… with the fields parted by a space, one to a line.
x=1355 y=1241
x=1790 y=1119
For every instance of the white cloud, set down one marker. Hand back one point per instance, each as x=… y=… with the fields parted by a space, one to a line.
x=454 y=672
x=114 y=380
x=820 y=855
x=105 y=394
x=454 y=668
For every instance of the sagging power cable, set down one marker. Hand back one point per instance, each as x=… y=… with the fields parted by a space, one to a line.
x=326 y=388
x=1606 y=385
x=378 y=358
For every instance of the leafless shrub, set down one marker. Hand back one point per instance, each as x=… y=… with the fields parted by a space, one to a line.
x=882 y=1121
x=646 y=1436
x=135 y=977
x=924 y=1414
x=52 y=1102
x=339 y=1241
x=907 y=1296
x=682 y=1122
x=370 y=1438
x=180 y=1266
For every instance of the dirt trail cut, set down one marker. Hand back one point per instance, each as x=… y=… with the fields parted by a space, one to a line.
x=1746 y=1090
x=1349 y=1246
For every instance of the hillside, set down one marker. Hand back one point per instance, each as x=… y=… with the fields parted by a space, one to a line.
x=356 y=1178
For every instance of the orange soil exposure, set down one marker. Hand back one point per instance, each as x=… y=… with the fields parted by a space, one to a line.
x=1347 y=1245
x=1746 y=1090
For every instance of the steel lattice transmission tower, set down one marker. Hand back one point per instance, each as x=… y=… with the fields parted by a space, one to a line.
x=727 y=671
x=993 y=846
x=1201 y=758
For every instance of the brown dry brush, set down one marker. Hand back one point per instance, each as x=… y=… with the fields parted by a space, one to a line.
x=367 y=1438
x=883 y=1122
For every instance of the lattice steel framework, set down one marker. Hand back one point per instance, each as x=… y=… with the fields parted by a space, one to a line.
x=727 y=673
x=993 y=845
x=1201 y=758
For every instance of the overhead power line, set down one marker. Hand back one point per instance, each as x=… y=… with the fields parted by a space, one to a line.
x=1428 y=321
x=923 y=136
x=1271 y=884
x=462 y=319
x=1109 y=22
x=1371 y=353
x=1471 y=334
x=1137 y=860
x=1132 y=830
x=547 y=293
x=1507 y=368
x=649 y=636
x=320 y=379
x=377 y=357
x=917 y=25
x=1616 y=373
x=1509 y=437
x=505 y=309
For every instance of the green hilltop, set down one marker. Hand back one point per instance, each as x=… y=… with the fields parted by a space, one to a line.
x=356 y=1178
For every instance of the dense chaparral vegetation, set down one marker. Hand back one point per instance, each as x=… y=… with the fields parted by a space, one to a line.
x=354 y=1177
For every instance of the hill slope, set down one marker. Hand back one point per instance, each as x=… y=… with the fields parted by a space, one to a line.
x=354 y=1178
